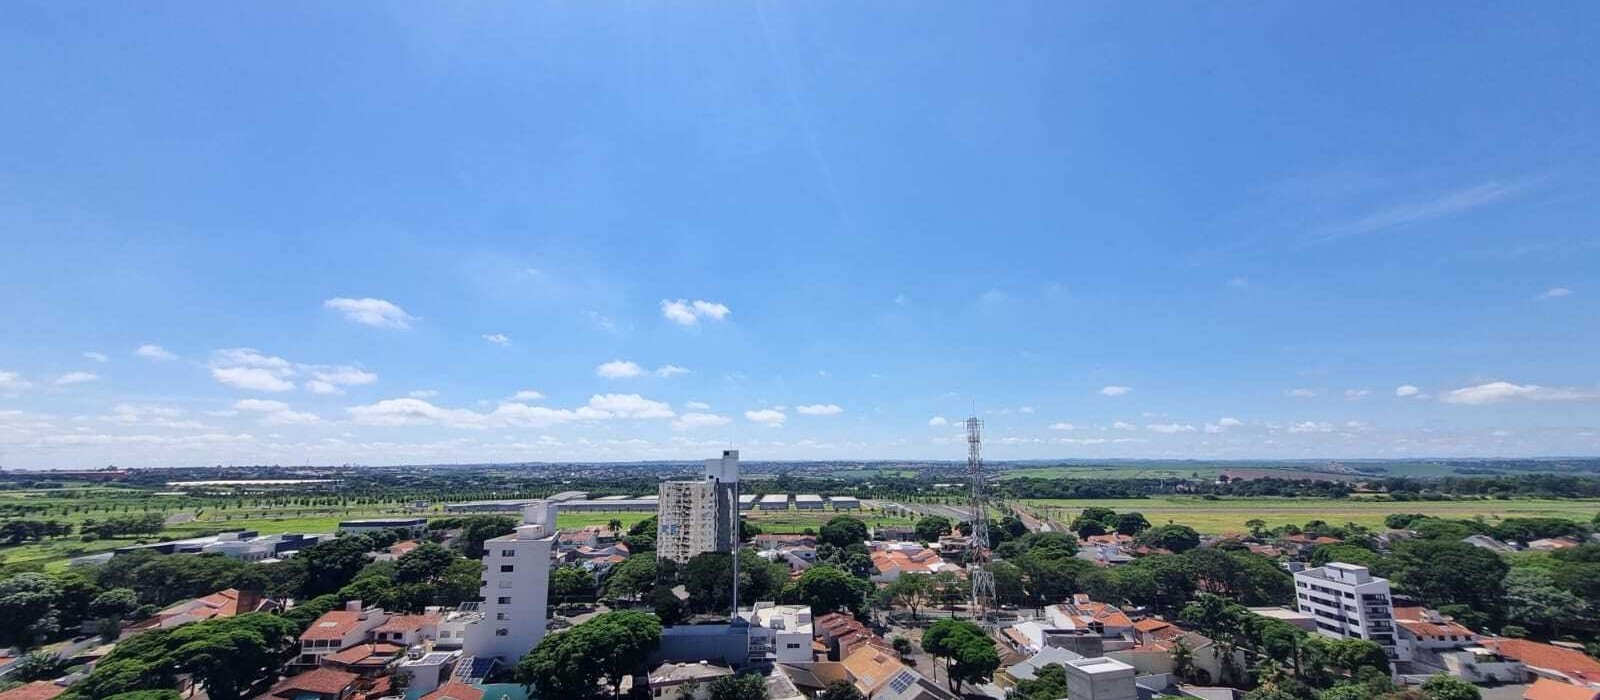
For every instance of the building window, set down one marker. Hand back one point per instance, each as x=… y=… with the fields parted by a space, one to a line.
x=502 y=632
x=505 y=584
x=504 y=600
x=506 y=568
x=501 y=616
x=508 y=552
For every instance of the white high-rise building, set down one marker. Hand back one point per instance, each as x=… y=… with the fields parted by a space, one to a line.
x=695 y=517
x=516 y=582
x=1347 y=602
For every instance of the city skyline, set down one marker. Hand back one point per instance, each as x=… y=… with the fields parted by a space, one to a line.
x=387 y=235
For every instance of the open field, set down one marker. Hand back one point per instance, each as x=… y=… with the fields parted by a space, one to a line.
x=1229 y=515
x=795 y=521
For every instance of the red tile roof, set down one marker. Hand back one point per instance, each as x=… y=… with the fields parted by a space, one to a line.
x=454 y=690
x=374 y=654
x=1547 y=689
x=407 y=623
x=402 y=548
x=1545 y=656
x=37 y=690
x=334 y=624
x=1150 y=625
x=322 y=681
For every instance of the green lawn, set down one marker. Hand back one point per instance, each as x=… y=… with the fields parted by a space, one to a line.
x=1229 y=515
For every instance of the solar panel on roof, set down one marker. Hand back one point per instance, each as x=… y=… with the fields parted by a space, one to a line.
x=902 y=681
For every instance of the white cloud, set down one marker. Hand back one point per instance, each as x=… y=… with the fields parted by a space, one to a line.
x=12 y=383
x=423 y=393
x=1555 y=293
x=151 y=415
x=1115 y=390
x=345 y=376
x=1496 y=392
x=688 y=313
x=276 y=412
x=1124 y=425
x=697 y=406
x=937 y=421
x=1413 y=213
x=766 y=416
x=1300 y=393
x=670 y=371
x=618 y=369
x=1406 y=391
x=247 y=368
x=1355 y=394
x=527 y=395
x=1063 y=426
x=1227 y=422
x=1170 y=428
x=76 y=378
x=250 y=378
x=630 y=406
x=818 y=409
x=497 y=338
x=96 y=356
x=690 y=421
x=367 y=311
x=1025 y=409
x=154 y=352
x=1311 y=427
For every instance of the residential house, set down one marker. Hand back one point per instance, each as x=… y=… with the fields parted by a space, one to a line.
x=668 y=681
x=454 y=690
x=1489 y=543
x=1548 y=660
x=224 y=603
x=1155 y=642
x=396 y=550
x=336 y=630
x=408 y=630
x=316 y=684
x=840 y=634
x=890 y=560
x=367 y=660
x=1553 y=543
x=1548 y=689
x=1081 y=615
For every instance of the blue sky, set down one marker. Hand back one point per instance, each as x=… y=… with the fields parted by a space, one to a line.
x=354 y=232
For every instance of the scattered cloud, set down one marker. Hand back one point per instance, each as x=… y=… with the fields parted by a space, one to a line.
x=328 y=380
x=688 y=313
x=1063 y=426
x=1124 y=425
x=670 y=371
x=937 y=421
x=1356 y=394
x=1115 y=390
x=1170 y=428
x=691 y=421
x=12 y=383
x=600 y=407
x=1497 y=392
x=1406 y=391
x=497 y=338
x=1300 y=393
x=630 y=406
x=250 y=378
x=1414 y=213
x=1311 y=427
x=276 y=412
x=618 y=369
x=697 y=406
x=96 y=356
x=423 y=393
x=1227 y=422
x=1025 y=409
x=771 y=418
x=527 y=395
x=901 y=299
x=71 y=378
x=154 y=352
x=1555 y=293
x=818 y=409
x=367 y=311
x=601 y=321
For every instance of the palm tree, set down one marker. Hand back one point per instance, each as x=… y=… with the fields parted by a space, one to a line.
x=615 y=526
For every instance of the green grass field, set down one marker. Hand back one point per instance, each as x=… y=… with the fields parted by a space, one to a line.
x=1229 y=515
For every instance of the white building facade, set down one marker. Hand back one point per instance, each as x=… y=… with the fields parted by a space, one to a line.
x=1348 y=602
x=516 y=582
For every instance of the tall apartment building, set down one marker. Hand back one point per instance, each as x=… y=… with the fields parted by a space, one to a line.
x=694 y=517
x=516 y=582
x=1348 y=602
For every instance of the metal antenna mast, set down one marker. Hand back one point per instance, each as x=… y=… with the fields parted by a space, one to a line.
x=977 y=567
